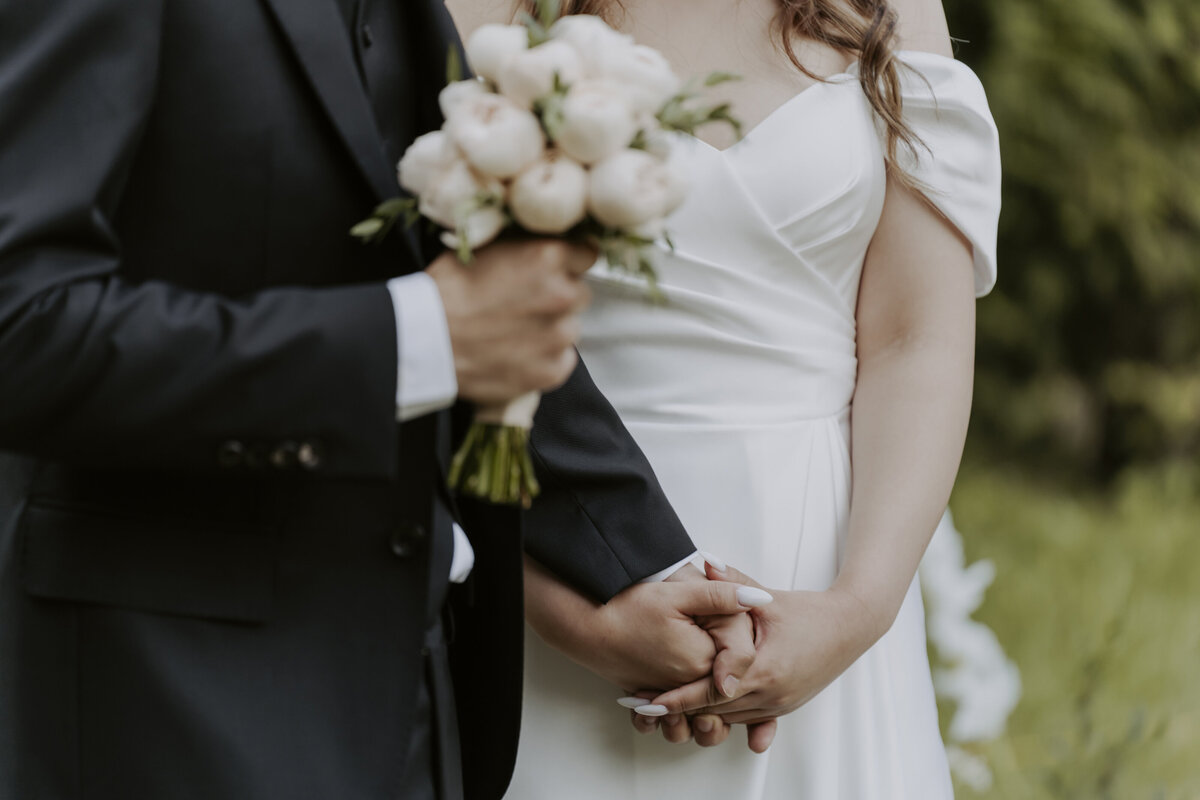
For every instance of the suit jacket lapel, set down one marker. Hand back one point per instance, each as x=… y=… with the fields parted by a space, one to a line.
x=315 y=30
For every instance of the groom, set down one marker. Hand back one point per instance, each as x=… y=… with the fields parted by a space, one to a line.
x=225 y=545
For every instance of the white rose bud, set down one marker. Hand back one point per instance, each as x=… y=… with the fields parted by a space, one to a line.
x=592 y=38
x=480 y=227
x=491 y=46
x=454 y=94
x=645 y=74
x=597 y=121
x=530 y=74
x=427 y=157
x=550 y=196
x=630 y=188
x=454 y=193
x=496 y=137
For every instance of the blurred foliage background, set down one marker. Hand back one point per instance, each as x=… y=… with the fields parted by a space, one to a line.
x=1081 y=480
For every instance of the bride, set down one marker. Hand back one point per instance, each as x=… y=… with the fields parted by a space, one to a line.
x=820 y=314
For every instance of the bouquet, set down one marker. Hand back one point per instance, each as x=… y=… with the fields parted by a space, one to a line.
x=565 y=130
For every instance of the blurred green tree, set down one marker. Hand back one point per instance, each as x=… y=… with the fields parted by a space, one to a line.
x=1089 y=350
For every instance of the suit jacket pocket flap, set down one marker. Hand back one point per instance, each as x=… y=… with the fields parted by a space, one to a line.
x=197 y=569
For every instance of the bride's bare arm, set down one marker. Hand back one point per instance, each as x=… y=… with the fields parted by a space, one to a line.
x=916 y=318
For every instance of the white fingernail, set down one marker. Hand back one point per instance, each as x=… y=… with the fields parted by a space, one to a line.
x=717 y=563
x=632 y=702
x=753 y=597
x=651 y=710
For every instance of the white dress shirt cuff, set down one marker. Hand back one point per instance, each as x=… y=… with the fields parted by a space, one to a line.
x=663 y=574
x=425 y=381
x=464 y=556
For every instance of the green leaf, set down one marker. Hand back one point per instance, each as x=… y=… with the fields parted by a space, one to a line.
x=716 y=78
x=367 y=229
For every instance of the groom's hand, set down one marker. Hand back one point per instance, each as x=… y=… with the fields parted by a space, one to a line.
x=512 y=315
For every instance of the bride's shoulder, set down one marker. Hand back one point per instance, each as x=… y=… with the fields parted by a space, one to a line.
x=921 y=26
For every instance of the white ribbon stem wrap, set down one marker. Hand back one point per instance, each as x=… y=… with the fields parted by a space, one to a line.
x=516 y=413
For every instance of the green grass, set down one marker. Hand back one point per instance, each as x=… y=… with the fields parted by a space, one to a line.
x=1097 y=599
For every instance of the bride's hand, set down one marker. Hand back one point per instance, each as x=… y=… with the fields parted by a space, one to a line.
x=804 y=640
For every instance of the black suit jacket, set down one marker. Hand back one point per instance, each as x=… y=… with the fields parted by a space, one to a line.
x=216 y=542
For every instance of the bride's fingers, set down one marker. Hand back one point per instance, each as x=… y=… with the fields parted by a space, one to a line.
x=759 y=735
x=701 y=694
x=710 y=730
x=705 y=598
x=724 y=572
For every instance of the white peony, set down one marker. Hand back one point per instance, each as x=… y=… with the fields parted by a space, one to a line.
x=480 y=226
x=497 y=137
x=454 y=94
x=490 y=47
x=455 y=192
x=597 y=121
x=530 y=74
x=550 y=196
x=631 y=188
x=428 y=156
x=645 y=74
x=593 y=39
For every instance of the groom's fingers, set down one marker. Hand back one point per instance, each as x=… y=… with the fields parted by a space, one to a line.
x=675 y=728
x=706 y=598
x=710 y=730
x=734 y=637
x=759 y=735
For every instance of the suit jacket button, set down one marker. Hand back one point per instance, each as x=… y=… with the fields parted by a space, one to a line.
x=231 y=454
x=308 y=455
x=406 y=539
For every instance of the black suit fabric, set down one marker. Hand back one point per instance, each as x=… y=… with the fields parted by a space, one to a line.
x=219 y=552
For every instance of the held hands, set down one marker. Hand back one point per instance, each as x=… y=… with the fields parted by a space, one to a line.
x=804 y=640
x=512 y=315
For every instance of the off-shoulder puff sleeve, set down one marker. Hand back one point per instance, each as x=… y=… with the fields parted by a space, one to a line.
x=959 y=164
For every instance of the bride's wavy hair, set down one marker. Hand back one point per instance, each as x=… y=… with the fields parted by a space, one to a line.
x=863 y=29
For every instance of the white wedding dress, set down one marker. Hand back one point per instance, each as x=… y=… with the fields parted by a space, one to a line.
x=738 y=390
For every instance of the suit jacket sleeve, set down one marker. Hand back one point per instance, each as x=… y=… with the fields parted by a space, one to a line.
x=97 y=369
x=602 y=521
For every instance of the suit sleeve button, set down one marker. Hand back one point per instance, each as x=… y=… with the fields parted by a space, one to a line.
x=285 y=455
x=406 y=539
x=231 y=454
x=308 y=455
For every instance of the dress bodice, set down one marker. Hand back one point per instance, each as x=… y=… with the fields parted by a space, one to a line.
x=761 y=287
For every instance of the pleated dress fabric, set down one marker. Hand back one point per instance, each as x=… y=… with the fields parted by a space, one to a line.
x=738 y=389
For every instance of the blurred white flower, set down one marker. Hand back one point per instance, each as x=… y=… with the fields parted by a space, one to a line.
x=530 y=74
x=983 y=684
x=646 y=74
x=480 y=226
x=490 y=47
x=455 y=192
x=970 y=769
x=453 y=94
x=427 y=157
x=597 y=121
x=630 y=188
x=497 y=137
x=592 y=39
x=550 y=196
